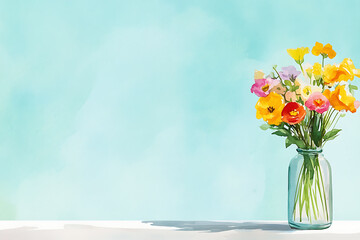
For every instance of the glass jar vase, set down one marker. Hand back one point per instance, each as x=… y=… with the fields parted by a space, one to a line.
x=309 y=191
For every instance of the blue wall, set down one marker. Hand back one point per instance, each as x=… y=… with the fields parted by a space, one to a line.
x=142 y=109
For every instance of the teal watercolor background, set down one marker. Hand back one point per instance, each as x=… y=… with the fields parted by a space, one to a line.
x=132 y=110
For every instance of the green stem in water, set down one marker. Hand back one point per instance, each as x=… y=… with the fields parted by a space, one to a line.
x=309 y=187
x=323 y=188
x=297 y=191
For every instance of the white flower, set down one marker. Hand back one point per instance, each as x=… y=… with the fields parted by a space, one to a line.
x=307 y=90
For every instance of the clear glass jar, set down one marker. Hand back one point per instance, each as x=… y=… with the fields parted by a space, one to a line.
x=309 y=191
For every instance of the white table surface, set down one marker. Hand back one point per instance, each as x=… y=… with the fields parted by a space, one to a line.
x=104 y=230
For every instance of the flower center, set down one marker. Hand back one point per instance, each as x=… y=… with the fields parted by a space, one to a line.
x=265 y=87
x=307 y=91
x=294 y=113
x=271 y=109
x=318 y=102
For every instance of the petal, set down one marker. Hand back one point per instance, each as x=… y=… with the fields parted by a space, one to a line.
x=356 y=104
x=294 y=54
x=316 y=50
x=259 y=74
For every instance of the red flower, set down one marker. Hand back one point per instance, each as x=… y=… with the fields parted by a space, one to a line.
x=293 y=113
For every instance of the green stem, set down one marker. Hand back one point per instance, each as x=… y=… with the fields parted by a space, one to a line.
x=308 y=189
x=323 y=188
x=281 y=80
x=302 y=70
x=317 y=207
x=320 y=194
x=297 y=127
x=297 y=190
x=334 y=120
x=312 y=201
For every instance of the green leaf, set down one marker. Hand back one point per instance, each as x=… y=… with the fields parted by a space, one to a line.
x=342 y=115
x=281 y=132
x=352 y=91
x=316 y=130
x=265 y=126
x=276 y=127
x=353 y=87
x=272 y=75
x=294 y=88
x=287 y=142
x=275 y=66
x=329 y=135
x=332 y=138
x=309 y=162
x=316 y=137
x=288 y=83
x=294 y=140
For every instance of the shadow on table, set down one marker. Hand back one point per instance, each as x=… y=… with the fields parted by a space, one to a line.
x=214 y=226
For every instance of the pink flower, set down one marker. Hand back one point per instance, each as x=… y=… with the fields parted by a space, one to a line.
x=262 y=87
x=318 y=102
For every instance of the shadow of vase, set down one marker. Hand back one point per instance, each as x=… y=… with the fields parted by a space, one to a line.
x=219 y=226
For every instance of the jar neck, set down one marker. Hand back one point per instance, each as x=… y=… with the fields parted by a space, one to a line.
x=309 y=151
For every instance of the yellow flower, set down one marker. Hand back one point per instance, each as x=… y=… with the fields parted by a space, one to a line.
x=327 y=50
x=330 y=74
x=340 y=99
x=317 y=70
x=344 y=72
x=269 y=108
x=259 y=74
x=298 y=54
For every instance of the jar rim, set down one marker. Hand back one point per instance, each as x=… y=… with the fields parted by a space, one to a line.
x=309 y=151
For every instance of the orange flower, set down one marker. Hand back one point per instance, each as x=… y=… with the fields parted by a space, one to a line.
x=293 y=113
x=327 y=50
x=344 y=72
x=348 y=68
x=316 y=50
x=341 y=100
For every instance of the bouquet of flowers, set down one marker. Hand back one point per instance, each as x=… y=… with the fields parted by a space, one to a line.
x=303 y=104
